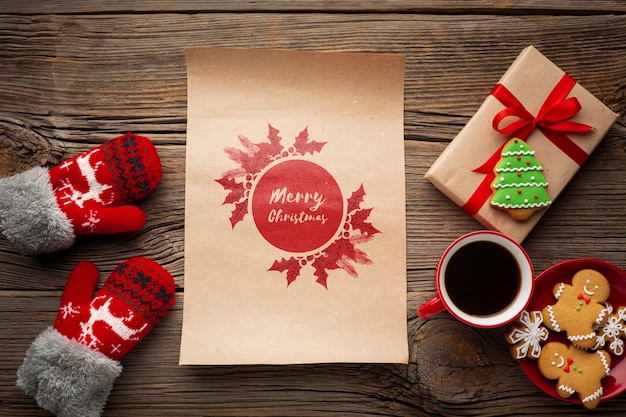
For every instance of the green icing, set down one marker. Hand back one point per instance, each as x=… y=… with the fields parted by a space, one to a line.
x=519 y=181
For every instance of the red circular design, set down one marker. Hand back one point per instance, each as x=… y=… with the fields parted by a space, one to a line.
x=297 y=206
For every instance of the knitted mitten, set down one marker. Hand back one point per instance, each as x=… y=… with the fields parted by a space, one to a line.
x=70 y=367
x=43 y=211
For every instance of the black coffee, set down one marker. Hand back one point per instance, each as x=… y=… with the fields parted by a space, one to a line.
x=482 y=278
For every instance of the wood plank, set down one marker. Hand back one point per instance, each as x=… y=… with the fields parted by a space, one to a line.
x=150 y=70
x=362 y=6
x=134 y=79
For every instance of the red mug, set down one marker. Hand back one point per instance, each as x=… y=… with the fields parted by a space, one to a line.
x=484 y=279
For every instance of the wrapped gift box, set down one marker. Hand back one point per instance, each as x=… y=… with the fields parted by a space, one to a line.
x=537 y=102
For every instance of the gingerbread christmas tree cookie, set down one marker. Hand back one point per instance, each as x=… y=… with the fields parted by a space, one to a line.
x=520 y=186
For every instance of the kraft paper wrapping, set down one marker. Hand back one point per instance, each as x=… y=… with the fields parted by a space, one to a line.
x=295 y=247
x=530 y=78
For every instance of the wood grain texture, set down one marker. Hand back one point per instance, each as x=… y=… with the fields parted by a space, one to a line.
x=360 y=6
x=74 y=74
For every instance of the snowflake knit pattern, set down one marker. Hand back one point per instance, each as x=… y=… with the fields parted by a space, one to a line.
x=519 y=182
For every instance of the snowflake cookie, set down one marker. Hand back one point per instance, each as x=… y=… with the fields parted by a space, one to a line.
x=526 y=335
x=613 y=332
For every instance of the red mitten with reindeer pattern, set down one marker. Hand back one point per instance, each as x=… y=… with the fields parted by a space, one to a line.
x=70 y=367
x=43 y=211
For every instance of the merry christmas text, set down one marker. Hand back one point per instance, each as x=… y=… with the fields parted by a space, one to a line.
x=283 y=195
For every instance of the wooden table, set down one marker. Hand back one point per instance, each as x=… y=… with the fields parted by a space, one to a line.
x=74 y=74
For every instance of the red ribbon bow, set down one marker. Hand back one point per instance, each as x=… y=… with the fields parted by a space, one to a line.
x=570 y=361
x=551 y=120
x=582 y=297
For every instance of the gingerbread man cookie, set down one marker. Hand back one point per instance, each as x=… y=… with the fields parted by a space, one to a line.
x=579 y=307
x=575 y=370
x=613 y=331
x=526 y=335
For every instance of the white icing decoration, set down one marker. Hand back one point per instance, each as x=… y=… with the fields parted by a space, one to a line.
x=521 y=184
x=518 y=153
x=613 y=330
x=587 y=291
x=607 y=368
x=553 y=322
x=567 y=389
x=531 y=335
x=517 y=206
x=559 y=291
x=617 y=347
x=522 y=169
x=579 y=337
x=594 y=396
x=613 y=327
x=561 y=361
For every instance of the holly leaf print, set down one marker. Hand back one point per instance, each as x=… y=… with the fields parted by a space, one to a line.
x=334 y=257
x=321 y=264
x=321 y=274
x=302 y=144
x=236 y=190
x=274 y=147
x=256 y=156
x=240 y=210
x=355 y=200
x=291 y=265
x=340 y=248
x=359 y=222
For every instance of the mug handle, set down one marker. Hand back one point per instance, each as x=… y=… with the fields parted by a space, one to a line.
x=430 y=308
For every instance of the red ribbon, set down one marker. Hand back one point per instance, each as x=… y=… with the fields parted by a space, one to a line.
x=552 y=121
x=570 y=361
x=582 y=297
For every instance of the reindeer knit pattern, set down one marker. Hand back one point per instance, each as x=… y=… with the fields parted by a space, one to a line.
x=119 y=171
x=136 y=295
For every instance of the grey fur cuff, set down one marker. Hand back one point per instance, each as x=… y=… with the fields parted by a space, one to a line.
x=65 y=377
x=30 y=217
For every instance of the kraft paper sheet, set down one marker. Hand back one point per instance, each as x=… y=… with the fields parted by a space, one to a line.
x=295 y=247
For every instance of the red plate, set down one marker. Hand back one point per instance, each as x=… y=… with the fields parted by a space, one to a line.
x=615 y=383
